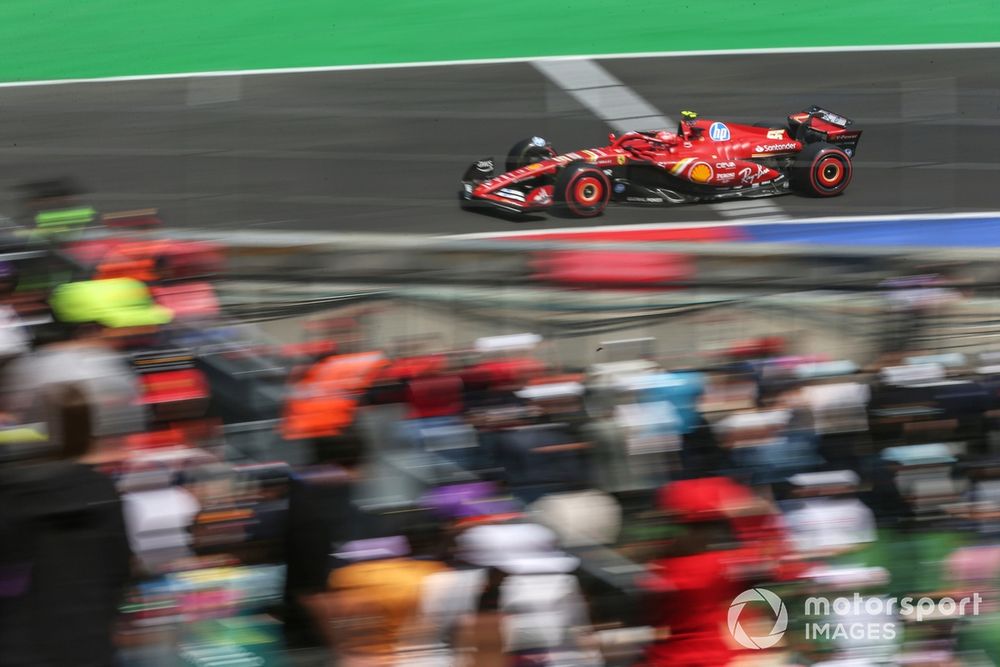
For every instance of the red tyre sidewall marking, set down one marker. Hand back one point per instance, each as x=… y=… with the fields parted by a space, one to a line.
x=575 y=198
x=826 y=163
x=580 y=191
x=815 y=173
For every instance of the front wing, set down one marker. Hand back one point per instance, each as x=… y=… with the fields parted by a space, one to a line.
x=508 y=202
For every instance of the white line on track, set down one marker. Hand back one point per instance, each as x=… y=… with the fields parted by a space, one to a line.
x=608 y=98
x=624 y=110
x=302 y=237
x=757 y=209
x=503 y=61
x=859 y=219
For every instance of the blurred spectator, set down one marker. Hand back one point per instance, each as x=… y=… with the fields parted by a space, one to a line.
x=983 y=496
x=94 y=320
x=691 y=584
x=466 y=501
x=729 y=389
x=541 y=458
x=222 y=523
x=652 y=431
x=14 y=340
x=434 y=423
x=434 y=397
x=159 y=515
x=826 y=519
x=322 y=512
x=639 y=419
x=558 y=398
x=885 y=499
x=609 y=456
x=580 y=514
x=64 y=555
x=371 y=601
x=55 y=207
x=701 y=454
x=582 y=517
x=270 y=511
x=840 y=413
x=925 y=476
x=513 y=594
x=767 y=444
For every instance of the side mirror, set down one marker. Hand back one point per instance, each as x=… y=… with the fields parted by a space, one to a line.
x=611 y=137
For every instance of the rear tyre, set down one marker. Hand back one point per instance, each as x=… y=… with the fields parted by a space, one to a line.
x=821 y=170
x=528 y=151
x=581 y=191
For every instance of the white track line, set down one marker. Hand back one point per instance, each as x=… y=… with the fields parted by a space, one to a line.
x=756 y=209
x=859 y=219
x=624 y=110
x=608 y=98
x=503 y=61
x=264 y=238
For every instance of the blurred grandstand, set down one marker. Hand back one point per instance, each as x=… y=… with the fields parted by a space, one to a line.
x=395 y=453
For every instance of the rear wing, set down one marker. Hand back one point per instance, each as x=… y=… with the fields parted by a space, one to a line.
x=818 y=124
x=830 y=117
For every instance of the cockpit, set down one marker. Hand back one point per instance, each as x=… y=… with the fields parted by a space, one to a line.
x=686 y=128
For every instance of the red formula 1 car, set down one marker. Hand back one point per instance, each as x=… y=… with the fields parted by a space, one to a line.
x=704 y=160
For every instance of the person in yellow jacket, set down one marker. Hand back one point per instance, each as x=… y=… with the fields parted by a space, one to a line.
x=371 y=602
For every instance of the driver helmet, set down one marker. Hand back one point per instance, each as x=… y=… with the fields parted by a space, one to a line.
x=687 y=125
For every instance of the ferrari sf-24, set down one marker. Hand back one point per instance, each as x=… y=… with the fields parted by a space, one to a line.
x=703 y=161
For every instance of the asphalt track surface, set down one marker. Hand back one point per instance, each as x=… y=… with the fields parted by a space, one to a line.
x=382 y=150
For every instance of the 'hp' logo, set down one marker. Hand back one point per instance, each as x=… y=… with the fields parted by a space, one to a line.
x=780 y=618
x=718 y=132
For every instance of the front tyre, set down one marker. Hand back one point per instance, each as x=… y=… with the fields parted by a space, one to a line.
x=528 y=151
x=821 y=170
x=581 y=190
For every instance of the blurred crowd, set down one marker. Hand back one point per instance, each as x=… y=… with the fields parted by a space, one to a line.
x=482 y=506
x=472 y=506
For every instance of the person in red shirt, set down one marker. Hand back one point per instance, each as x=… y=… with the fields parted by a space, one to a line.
x=725 y=542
